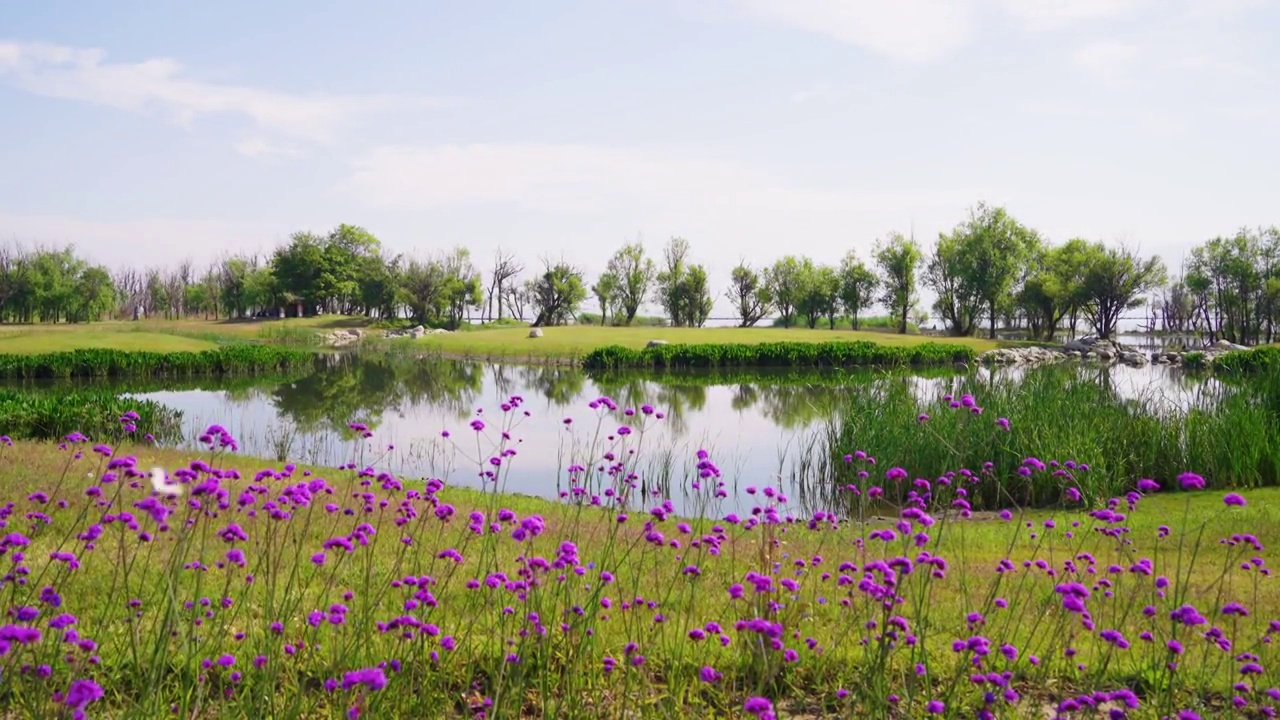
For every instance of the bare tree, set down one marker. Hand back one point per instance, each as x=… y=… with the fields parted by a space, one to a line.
x=505 y=267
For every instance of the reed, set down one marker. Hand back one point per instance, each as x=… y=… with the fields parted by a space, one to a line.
x=230 y=360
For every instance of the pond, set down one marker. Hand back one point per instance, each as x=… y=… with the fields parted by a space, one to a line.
x=759 y=427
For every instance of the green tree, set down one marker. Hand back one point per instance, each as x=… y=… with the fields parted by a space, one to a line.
x=785 y=282
x=1117 y=280
x=898 y=259
x=993 y=250
x=606 y=293
x=633 y=275
x=858 y=284
x=556 y=294
x=749 y=294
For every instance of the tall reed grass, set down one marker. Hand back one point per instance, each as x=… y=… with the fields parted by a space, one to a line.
x=94 y=412
x=1231 y=433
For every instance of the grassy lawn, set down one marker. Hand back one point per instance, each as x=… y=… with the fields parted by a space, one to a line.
x=576 y=340
x=164 y=335
x=33 y=340
x=507 y=343
x=532 y=641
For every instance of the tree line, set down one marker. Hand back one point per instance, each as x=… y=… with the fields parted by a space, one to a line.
x=989 y=272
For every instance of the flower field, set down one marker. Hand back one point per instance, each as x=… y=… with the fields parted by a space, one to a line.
x=221 y=589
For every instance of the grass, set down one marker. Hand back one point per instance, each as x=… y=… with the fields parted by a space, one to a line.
x=568 y=609
x=41 y=341
x=572 y=342
x=98 y=362
x=1229 y=434
x=558 y=345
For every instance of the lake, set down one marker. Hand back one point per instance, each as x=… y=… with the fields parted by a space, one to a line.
x=759 y=427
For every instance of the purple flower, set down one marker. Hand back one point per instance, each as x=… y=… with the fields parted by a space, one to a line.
x=81 y=693
x=372 y=678
x=1234 y=500
x=935 y=707
x=1190 y=481
x=759 y=706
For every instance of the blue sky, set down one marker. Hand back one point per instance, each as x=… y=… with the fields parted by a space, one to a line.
x=146 y=132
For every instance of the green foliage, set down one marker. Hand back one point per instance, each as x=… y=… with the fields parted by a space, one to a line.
x=29 y=415
x=858 y=286
x=750 y=295
x=1116 y=280
x=229 y=360
x=630 y=274
x=1260 y=360
x=779 y=354
x=1234 y=284
x=52 y=286
x=683 y=290
x=785 y=282
x=556 y=294
x=898 y=260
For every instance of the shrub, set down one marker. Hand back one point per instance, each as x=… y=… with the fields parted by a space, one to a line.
x=230 y=360
x=777 y=354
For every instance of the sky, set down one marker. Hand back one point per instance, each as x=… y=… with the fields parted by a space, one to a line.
x=149 y=132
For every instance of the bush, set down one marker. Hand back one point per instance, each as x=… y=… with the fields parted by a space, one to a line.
x=1257 y=360
x=588 y=318
x=230 y=360
x=778 y=354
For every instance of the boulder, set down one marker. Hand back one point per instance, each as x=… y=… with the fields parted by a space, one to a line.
x=655 y=343
x=535 y=332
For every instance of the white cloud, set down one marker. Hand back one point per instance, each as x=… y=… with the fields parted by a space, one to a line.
x=258 y=147
x=915 y=31
x=1054 y=14
x=162 y=86
x=821 y=92
x=1109 y=61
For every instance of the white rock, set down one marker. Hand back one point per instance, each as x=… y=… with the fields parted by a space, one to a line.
x=535 y=332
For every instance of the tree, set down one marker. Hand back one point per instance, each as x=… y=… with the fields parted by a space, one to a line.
x=819 y=293
x=606 y=293
x=633 y=273
x=667 y=293
x=949 y=275
x=695 y=297
x=556 y=294
x=784 y=280
x=858 y=285
x=898 y=258
x=990 y=251
x=750 y=296
x=1053 y=290
x=463 y=291
x=505 y=269
x=422 y=289
x=1116 y=281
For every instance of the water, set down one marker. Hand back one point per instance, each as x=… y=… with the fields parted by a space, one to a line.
x=760 y=428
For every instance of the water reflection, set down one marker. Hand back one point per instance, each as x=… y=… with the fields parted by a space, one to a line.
x=760 y=426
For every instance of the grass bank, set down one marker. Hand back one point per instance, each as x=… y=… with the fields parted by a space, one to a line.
x=168 y=335
x=573 y=343
x=281 y=591
x=230 y=360
x=837 y=354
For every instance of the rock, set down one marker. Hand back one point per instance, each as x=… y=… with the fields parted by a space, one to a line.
x=1225 y=345
x=655 y=343
x=535 y=332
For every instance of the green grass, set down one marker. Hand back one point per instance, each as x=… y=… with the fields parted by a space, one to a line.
x=571 y=343
x=98 y=362
x=835 y=353
x=41 y=341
